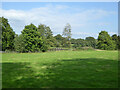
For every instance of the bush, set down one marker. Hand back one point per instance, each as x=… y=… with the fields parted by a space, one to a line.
x=44 y=48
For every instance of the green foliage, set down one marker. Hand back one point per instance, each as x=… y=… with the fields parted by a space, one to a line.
x=46 y=34
x=67 y=44
x=32 y=39
x=67 y=31
x=77 y=43
x=29 y=34
x=52 y=42
x=67 y=34
x=73 y=41
x=44 y=47
x=91 y=42
x=44 y=31
x=8 y=35
x=105 y=42
x=116 y=41
x=59 y=40
x=19 y=43
x=0 y=36
x=35 y=39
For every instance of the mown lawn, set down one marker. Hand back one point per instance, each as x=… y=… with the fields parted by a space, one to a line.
x=62 y=69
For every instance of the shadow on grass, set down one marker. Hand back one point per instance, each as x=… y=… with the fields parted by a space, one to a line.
x=14 y=74
x=76 y=73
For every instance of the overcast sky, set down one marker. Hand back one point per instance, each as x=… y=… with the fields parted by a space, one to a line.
x=86 y=19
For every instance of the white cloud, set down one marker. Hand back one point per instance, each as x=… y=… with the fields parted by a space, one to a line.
x=85 y=34
x=111 y=33
x=54 y=16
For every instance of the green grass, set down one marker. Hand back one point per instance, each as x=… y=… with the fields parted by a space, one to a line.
x=73 y=69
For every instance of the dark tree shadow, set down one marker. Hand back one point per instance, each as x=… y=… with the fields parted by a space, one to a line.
x=75 y=73
x=14 y=73
x=82 y=73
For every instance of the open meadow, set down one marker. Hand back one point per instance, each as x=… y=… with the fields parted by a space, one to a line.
x=73 y=69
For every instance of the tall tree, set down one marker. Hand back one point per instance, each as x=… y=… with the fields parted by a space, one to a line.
x=33 y=41
x=44 y=31
x=46 y=34
x=8 y=35
x=67 y=34
x=67 y=31
x=105 y=42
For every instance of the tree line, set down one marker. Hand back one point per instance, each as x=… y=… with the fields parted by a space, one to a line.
x=40 y=39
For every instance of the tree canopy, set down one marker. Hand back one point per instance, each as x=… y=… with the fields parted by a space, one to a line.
x=67 y=31
x=105 y=42
x=67 y=34
x=91 y=42
x=7 y=35
x=36 y=39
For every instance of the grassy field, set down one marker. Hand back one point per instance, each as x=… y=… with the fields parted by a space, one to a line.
x=73 y=69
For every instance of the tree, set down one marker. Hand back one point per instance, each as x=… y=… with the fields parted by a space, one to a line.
x=91 y=42
x=67 y=31
x=119 y=42
x=73 y=41
x=67 y=34
x=58 y=37
x=77 y=43
x=115 y=39
x=8 y=35
x=59 y=40
x=44 y=31
x=105 y=42
x=0 y=35
x=32 y=39
x=19 y=43
x=46 y=34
